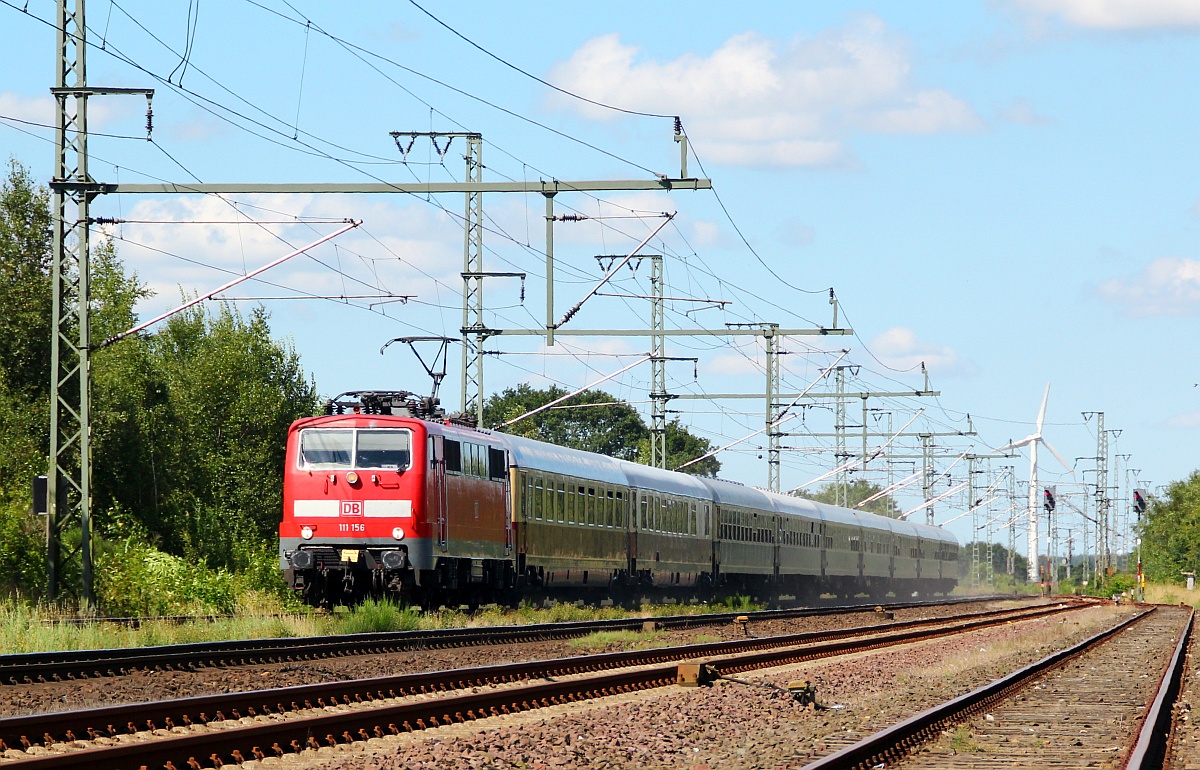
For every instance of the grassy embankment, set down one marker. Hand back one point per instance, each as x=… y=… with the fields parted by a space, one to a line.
x=26 y=628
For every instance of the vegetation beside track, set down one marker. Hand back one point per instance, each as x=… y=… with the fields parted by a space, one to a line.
x=25 y=628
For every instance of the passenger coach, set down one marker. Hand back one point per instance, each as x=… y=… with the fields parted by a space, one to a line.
x=388 y=498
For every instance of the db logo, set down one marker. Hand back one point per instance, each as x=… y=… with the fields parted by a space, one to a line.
x=352 y=508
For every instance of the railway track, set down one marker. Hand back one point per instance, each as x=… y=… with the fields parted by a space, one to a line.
x=1105 y=702
x=33 y=668
x=209 y=731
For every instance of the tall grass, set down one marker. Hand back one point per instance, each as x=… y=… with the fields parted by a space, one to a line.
x=374 y=616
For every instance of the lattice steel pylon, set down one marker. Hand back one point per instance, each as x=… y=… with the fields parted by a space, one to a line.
x=1103 y=550
x=474 y=331
x=69 y=477
x=68 y=483
x=658 y=367
x=974 y=579
x=771 y=343
x=839 y=427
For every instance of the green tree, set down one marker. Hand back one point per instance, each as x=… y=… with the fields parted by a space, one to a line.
x=25 y=291
x=593 y=421
x=856 y=491
x=1170 y=531
x=999 y=562
x=25 y=235
x=188 y=422
x=196 y=440
x=683 y=446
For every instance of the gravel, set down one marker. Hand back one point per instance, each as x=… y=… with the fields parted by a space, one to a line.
x=160 y=685
x=749 y=723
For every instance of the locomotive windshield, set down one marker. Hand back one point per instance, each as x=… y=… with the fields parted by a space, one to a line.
x=342 y=448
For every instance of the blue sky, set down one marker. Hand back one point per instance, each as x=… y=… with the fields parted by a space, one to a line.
x=1005 y=190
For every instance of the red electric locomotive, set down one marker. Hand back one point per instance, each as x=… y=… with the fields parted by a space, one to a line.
x=372 y=493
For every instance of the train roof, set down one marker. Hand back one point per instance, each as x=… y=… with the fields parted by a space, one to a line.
x=540 y=455
x=729 y=493
x=667 y=481
x=530 y=453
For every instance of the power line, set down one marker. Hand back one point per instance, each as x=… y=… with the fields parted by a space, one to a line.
x=529 y=75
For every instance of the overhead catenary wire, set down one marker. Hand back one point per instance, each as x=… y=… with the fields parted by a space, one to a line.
x=709 y=347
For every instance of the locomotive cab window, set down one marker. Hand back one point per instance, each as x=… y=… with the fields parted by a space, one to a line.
x=376 y=448
x=383 y=449
x=326 y=448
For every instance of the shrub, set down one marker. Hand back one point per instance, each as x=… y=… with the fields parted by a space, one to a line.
x=133 y=578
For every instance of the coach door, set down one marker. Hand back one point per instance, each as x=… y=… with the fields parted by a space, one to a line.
x=509 y=535
x=437 y=469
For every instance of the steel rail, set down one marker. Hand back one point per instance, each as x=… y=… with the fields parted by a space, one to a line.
x=888 y=745
x=1150 y=750
x=134 y=621
x=742 y=655
x=35 y=667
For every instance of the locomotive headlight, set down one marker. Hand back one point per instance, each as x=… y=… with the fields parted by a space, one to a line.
x=306 y=532
x=398 y=533
x=352 y=477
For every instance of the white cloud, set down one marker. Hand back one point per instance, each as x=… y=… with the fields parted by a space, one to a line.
x=794 y=233
x=1022 y=112
x=757 y=101
x=41 y=109
x=900 y=348
x=36 y=109
x=706 y=234
x=744 y=357
x=1169 y=286
x=926 y=112
x=412 y=248
x=1114 y=14
x=732 y=364
x=1189 y=421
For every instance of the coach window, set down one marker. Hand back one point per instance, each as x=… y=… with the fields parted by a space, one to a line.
x=453 y=452
x=560 y=502
x=497 y=469
x=536 y=498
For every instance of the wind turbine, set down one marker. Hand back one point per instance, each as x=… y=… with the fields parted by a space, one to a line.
x=1032 y=441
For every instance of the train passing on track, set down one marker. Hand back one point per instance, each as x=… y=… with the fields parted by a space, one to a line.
x=385 y=496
